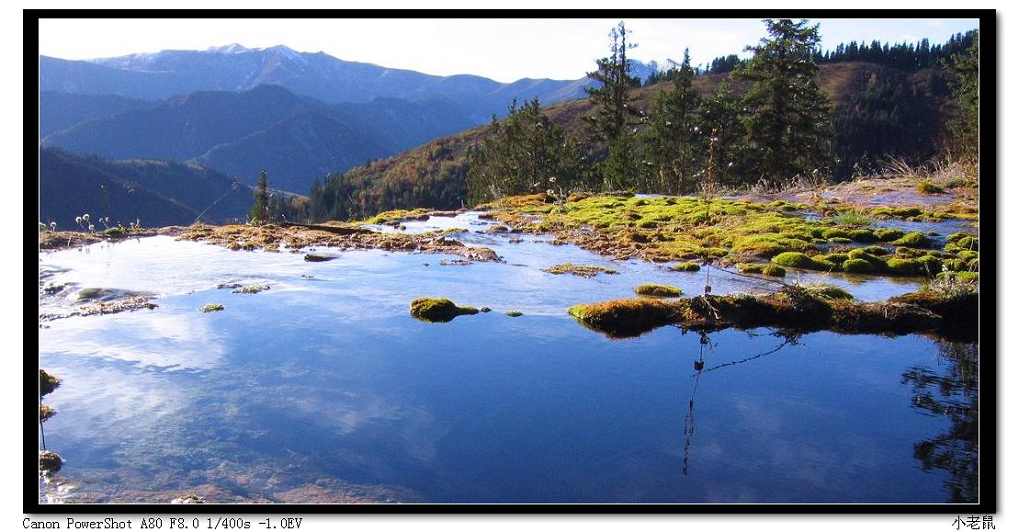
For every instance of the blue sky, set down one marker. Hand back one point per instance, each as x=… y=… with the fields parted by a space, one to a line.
x=504 y=50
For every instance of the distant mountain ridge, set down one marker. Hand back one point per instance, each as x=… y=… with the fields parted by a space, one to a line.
x=160 y=75
x=295 y=138
x=156 y=193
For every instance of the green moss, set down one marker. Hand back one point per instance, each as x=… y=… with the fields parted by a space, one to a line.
x=888 y=234
x=862 y=235
x=826 y=291
x=658 y=290
x=968 y=243
x=876 y=250
x=771 y=270
x=928 y=265
x=685 y=267
x=839 y=240
x=212 y=307
x=902 y=266
x=908 y=252
x=926 y=187
x=796 y=259
x=954 y=265
x=835 y=232
x=624 y=317
x=115 y=232
x=857 y=266
x=580 y=270
x=437 y=309
x=913 y=239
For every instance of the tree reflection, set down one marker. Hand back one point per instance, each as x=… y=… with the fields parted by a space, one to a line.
x=953 y=394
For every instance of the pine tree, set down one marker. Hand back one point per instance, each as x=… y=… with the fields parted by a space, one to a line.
x=671 y=138
x=260 y=210
x=964 y=68
x=788 y=120
x=615 y=115
x=720 y=119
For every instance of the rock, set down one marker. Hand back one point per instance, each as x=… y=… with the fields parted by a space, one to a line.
x=319 y=257
x=514 y=313
x=437 y=309
x=251 y=289
x=47 y=382
x=46 y=412
x=212 y=307
x=50 y=462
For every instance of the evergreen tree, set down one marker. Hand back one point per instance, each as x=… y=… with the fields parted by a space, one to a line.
x=525 y=153
x=965 y=69
x=615 y=116
x=671 y=139
x=720 y=119
x=260 y=210
x=788 y=118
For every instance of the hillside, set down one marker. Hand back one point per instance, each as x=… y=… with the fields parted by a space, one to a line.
x=157 y=193
x=59 y=111
x=433 y=175
x=155 y=76
x=294 y=138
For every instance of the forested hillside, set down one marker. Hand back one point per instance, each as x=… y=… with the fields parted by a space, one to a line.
x=154 y=193
x=878 y=112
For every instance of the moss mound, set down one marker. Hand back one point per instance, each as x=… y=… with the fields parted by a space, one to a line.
x=825 y=291
x=857 y=266
x=437 y=309
x=902 y=266
x=926 y=187
x=212 y=307
x=658 y=290
x=623 y=318
x=795 y=259
x=913 y=239
x=580 y=270
x=771 y=270
x=685 y=267
x=888 y=234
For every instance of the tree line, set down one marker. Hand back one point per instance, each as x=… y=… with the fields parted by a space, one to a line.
x=765 y=119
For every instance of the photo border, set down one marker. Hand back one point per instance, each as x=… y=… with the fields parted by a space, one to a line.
x=987 y=334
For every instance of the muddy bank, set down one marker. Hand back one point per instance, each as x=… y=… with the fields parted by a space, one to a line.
x=294 y=237
x=794 y=308
x=52 y=240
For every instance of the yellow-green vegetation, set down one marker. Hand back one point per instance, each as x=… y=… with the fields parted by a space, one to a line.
x=926 y=187
x=771 y=270
x=212 y=307
x=580 y=270
x=658 y=290
x=624 y=317
x=47 y=382
x=913 y=239
x=397 y=215
x=685 y=267
x=736 y=232
x=944 y=311
x=437 y=309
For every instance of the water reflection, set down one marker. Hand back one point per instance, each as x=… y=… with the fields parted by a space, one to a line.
x=951 y=393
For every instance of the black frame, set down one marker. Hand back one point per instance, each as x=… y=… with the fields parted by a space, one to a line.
x=987 y=343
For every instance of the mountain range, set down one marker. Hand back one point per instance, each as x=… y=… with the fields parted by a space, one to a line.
x=161 y=75
x=156 y=193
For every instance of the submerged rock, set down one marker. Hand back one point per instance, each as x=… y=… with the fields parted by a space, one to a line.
x=319 y=257
x=251 y=289
x=50 y=462
x=580 y=270
x=438 y=309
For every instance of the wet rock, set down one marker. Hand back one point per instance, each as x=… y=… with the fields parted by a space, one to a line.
x=47 y=383
x=319 y=257
x=251 y=289
x=438 y=309
x=228 y=286
x=50 y=462
x=485 y=309
x=514 y=313
x=211 y=307
x=580 y=270
x=454 y=262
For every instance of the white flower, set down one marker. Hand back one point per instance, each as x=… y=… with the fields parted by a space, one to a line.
x=77 y=220
x=91 y=228
x=84 y=216
x=53 y=226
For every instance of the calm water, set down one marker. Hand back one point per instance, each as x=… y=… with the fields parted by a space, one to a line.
x=323 y=388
